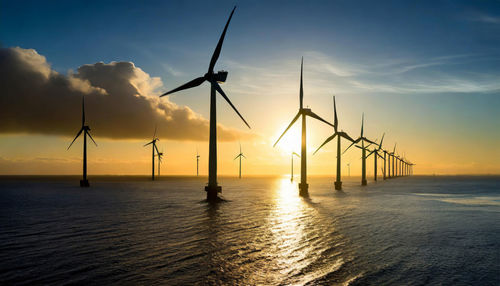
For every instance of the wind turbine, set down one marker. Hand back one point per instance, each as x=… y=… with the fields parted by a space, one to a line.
x=362 y=139
x=85 y=129
x=303 y=112
x=386 y=171
x=240 y=155
x=212 y=188
x=197 y=162
x=392 y=155
x=153 y=147
x=338 y=182
x=375 y=151
x=160 y=155
x=293 y=153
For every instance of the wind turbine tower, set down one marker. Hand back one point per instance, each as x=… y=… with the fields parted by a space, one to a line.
x=214 y=79
x=303 y=112
x=86 y=131
x=153 y=149
x=339 y=134
x=240 y=155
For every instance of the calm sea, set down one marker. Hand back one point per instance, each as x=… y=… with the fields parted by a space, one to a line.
x=125 y=230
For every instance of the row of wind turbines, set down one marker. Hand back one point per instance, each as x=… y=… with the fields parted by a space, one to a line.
x=400 y=165
x=213 y=189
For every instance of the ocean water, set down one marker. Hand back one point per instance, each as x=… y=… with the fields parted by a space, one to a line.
x=131 y=231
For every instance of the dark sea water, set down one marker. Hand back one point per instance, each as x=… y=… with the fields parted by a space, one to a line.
x=130 y=231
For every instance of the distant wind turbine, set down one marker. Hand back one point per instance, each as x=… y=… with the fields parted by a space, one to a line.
x=213 y=78
x=293 y=153
x=86 y=131
x=240 y=155
x=153 y=147
x=160 y=157
x=362 y=139
x=197 y=162
x=339 y=134
x=392 y=154
x=375 y=152
x=303 y=186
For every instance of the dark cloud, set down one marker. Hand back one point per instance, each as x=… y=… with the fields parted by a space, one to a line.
x=120 y=99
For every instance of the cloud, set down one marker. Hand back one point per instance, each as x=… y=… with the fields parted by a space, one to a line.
x=121 y=101
x=484 y=18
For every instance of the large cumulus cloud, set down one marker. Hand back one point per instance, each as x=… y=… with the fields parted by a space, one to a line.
x=120 y=99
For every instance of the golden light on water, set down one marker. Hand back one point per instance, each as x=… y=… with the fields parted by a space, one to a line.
x=289 y=227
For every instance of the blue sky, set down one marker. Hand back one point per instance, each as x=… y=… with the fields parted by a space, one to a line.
x=420 y=69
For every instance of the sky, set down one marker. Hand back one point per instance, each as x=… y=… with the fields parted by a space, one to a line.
x=424 y=73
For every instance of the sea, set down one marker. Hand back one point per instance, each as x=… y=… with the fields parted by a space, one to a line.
x=419 y=230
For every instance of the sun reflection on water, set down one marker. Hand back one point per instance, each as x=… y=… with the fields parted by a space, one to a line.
x=289 y=223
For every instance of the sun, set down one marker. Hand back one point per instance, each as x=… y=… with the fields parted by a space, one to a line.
x=290 y=141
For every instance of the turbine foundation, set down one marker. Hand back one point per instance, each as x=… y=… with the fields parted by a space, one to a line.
x=364 y=182
x=338 y=185
x=84 y=183
x=212 y=192
x=304 y=189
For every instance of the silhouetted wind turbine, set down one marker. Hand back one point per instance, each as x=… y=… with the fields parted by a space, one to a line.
x=392 y=155
x=213 y=78
x=240 y=155
x=160 y=156
x=386 y=165
x=293 y=153
x=375 y=151
x=338 y=182
x=86 y=131
x=197 y=162
x=153 y=147
x=303 y=186
x=362 y=139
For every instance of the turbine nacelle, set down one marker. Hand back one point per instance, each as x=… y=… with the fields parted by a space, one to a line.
x=220 y=76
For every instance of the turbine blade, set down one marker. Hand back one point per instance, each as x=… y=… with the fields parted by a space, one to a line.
x=195 y=82
x=301 y=92
x=343 y=134
x=296 y=154
x=156 y=148
x=148 y=144
x=354 y=142
x=314 y=115
x=362 y=123
x=218 y=48
x=370 y=153
x=243 y=156
x=237 y=157
x=335 y=119
x=90 y=136
x=83 y=111
x=326 y=141
x=154 y=134
x=79 y=132
x=219 y=89
x=290 y=125
x=370 y=141
x=381 y=141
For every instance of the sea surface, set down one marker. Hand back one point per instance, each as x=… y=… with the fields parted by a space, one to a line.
x=131 y=231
